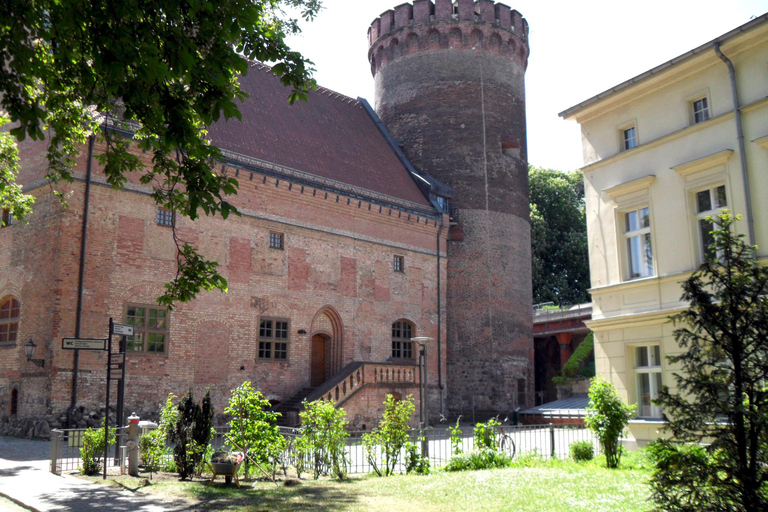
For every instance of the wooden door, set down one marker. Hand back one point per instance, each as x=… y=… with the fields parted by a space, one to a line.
x=318 y=360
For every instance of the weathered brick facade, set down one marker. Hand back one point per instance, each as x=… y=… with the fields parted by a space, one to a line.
x=450 y=86
x=325 y=178
x=337 y=259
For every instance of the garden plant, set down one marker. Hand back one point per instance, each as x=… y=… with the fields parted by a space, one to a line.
x=607 y=417
x=93 y=448
x=254 y=430
x=323 y=438
x=391 y=435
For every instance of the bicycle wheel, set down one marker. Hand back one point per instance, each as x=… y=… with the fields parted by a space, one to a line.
x=507 y=446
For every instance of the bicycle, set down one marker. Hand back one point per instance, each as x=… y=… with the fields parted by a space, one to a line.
x=506 y=444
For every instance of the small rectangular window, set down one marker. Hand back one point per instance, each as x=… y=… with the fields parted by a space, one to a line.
x=275 y=240
x=648 y=374
x=151 y=328
x=700 y=110
x=399 y=264
x=637 y=233
x=165 y=217
x=709 y=202
x=274 y=334
x=630 y=138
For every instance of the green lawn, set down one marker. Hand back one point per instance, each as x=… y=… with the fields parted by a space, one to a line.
x=529 y=486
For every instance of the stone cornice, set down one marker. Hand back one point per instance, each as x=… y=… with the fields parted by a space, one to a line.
x=706 y=162
x=630 y=186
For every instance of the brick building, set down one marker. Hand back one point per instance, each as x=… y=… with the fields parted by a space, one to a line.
x=344 y=250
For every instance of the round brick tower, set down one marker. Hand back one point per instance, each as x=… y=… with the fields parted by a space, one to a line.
x=450 y=87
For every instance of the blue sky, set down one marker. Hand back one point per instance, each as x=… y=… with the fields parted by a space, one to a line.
x=578 y=49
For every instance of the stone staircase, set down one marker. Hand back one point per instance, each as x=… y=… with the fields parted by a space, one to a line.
x=289 y=409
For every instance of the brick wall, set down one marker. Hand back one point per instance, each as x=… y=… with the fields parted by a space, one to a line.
x=338 y=254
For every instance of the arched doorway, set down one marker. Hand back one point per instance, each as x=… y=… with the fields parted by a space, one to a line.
x=326 y=338
x=319 y=343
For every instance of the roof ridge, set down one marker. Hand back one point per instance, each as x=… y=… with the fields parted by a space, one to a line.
x=322 y=90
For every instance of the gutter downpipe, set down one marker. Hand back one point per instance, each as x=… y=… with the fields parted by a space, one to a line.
x=440 y=327
x=742 y=149
x=81 y=279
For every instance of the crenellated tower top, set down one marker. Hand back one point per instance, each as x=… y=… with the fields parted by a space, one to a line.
x=427 y=25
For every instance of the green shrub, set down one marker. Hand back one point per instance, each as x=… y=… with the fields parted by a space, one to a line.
x=324 y=437
x=607 y=417
x=680 y=481
x=391 y=435
x=415 y=461
x=486 y=435
x=152 y=447
x=478 y=459
x=93 y=449
x=253 y=428
x=456 y=435
x=578 y=364
x=582 y=450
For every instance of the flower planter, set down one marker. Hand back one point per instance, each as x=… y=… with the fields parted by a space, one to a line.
x=226 y=464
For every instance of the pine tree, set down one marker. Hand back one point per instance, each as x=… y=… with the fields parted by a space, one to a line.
x=720 y=408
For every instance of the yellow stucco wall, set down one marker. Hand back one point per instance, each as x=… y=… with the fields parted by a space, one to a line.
x=674 y=160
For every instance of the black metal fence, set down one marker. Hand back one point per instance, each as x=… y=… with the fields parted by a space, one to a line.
x=541 y=441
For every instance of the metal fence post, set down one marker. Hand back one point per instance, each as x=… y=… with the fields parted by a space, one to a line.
x=56 y=439
x=552 y=438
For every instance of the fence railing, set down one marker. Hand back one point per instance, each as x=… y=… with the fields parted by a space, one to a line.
x=65 y=450
x=546 y=441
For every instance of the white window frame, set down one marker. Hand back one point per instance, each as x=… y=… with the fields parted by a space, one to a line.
x=642 y=234
x=691 y=101
x=700 y=110
x=621 y=131
x=703 y=173
x=700 y=216
x=654 y=386
x=628 y=196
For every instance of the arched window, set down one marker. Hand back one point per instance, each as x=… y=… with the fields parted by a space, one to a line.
x=402 y=346
x=9 y=321
x=14 y=402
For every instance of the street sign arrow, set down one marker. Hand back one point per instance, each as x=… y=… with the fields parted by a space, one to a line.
x=84 y=343
x=122 y=329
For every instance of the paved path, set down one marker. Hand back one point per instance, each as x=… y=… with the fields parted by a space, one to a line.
x=25 y=479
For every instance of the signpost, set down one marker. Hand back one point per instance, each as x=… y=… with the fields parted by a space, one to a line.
x=84 y=343
x=121 y=330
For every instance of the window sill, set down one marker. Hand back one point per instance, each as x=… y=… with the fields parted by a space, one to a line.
x=8 y=344
x=265 y=360
x=142 y=353
x=647 y=421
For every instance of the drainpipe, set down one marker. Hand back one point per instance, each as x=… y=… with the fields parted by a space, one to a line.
x=81 y=278
x=440 y=327
x=742 y=149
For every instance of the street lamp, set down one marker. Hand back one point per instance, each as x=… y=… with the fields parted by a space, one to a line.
x=423 y=402
x=29 y=350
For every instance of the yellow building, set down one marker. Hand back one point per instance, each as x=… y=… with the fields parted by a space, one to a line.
x=662 y=151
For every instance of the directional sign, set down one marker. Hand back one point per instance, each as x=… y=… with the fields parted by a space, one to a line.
x=84 y=343
x=122 y=329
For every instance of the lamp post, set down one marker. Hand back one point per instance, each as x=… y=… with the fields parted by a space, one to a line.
x=423 y=400
x=29 y=350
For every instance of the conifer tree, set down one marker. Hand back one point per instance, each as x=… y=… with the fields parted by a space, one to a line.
x=720 y=407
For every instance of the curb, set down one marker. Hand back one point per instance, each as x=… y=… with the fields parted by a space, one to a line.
x=17 y=502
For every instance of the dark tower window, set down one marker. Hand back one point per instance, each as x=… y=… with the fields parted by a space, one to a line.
x=10 y=311
x=402 y=346
x=14 y=402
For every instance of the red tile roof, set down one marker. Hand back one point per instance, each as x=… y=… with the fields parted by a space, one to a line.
x=330 y=136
